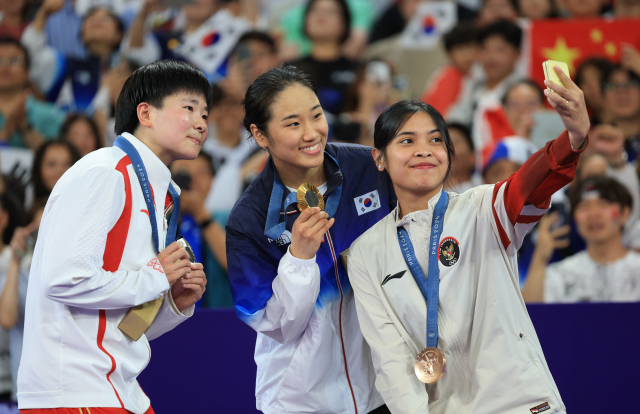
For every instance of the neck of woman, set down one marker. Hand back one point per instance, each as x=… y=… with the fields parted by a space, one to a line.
x=293 y=176
x=410 y=201
x=326 y=51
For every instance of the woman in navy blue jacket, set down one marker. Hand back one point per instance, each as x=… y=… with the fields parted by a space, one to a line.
x=287 y=279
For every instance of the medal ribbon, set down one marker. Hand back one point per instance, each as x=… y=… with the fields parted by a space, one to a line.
x=429 y=287
x=143 y=178
x=273 y=228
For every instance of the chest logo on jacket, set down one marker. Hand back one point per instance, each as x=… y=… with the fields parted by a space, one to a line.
x=395 y=276
x=367 y=202
x=449 y=251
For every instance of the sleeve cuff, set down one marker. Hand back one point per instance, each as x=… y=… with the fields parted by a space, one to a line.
x=185 y=313
x=299 y=262
x=563 y=152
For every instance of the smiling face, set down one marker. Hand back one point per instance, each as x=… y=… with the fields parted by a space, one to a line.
x=177 y=130
x=599 y=220
x=416 y=157
x=296 y=135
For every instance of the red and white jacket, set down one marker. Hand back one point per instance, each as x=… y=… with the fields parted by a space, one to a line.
x=94 y=259
x=494 y=360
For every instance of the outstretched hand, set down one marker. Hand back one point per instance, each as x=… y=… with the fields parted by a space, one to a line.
x=568 y=101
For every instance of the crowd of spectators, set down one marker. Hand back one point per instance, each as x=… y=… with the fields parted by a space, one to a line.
x=64 y=62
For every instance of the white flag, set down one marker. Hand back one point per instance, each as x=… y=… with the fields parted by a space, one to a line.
x=367 y=202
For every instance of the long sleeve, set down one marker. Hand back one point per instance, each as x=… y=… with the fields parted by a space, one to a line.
x=520 y=201
x=277 y=302
x=168 y=317
x=392 y=359
x=148 y=53
x=72 y=242
x=47 y=67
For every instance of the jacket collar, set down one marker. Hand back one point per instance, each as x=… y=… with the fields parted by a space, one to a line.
x=420 y=215
x=159 y=174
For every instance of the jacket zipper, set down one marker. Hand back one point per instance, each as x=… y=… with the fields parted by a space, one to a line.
x=344 y=355
x=525 y=338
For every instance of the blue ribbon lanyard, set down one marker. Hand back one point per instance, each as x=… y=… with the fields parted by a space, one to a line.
x=429 y=287
x=273 y=228
x=143 y=178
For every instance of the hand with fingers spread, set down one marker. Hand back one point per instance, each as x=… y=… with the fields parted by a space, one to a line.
x=568 y=101
x=550 y=239
x=190 y=288
x=175 y=262
x=308 y=231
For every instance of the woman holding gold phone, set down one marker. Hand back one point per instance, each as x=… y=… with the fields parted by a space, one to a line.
x=450 y=313
x=284 y=239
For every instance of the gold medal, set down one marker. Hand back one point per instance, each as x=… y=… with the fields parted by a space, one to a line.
x=309 y=196
x=430 y=365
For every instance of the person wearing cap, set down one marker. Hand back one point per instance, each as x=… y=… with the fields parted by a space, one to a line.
x=507 y=158
x=606 y=271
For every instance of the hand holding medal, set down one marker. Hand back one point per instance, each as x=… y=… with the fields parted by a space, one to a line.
x=312 y=224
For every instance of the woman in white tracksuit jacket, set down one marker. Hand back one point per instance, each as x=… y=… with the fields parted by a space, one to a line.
x=494 y=362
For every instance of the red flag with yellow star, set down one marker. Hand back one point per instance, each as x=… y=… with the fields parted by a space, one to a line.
x=573 y=41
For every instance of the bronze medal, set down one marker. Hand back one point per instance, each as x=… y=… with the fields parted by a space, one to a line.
x=309 y=196
x=430 y=365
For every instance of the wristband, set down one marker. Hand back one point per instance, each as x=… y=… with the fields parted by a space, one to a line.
x=206 y=223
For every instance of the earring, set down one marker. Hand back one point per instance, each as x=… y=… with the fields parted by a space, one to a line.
x=380 y=167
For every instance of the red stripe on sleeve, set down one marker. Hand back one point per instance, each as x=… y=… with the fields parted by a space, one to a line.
x=117 y=237
x=503 y=234
x=528 y=219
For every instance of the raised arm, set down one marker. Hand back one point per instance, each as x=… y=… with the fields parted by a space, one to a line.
x=277 y=299
x=520 y=201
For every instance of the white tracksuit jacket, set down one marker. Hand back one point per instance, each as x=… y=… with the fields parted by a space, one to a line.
x=93 y=260
x=494 y=359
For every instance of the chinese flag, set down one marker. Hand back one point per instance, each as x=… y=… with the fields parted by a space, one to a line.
x=573 y=41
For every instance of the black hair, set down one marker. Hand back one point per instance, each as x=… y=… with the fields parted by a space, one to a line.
x=527 y=82
x=8 y=40
x=606 y=78
x=603 y=66
x=256 y=36
x=39 y=187
x=466 y=132
x=71 y=119
x=154 y=82
x=508 y=31
x=607 y=188
x=10 y=203
x=218 y=95
x=394 y=117
x=119 y=24
x=264 y=90
x=344 y=12
x=464 y=33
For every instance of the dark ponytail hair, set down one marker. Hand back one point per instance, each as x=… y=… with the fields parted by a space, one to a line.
x=394 y=117
x=264 y=90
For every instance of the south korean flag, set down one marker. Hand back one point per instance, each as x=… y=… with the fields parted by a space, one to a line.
x=367 y=202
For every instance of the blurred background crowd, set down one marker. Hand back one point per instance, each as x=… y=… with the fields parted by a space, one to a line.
x=479 y=62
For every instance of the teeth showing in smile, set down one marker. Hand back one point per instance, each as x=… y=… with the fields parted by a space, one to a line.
x=310 y=149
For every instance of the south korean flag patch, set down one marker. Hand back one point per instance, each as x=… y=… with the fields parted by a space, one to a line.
x=367 y=202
